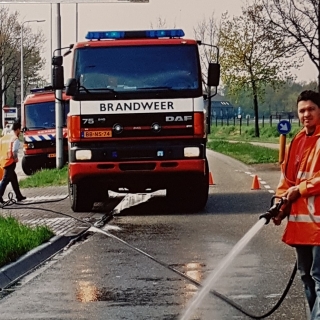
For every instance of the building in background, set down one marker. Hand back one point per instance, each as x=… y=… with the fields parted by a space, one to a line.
x=222 y=110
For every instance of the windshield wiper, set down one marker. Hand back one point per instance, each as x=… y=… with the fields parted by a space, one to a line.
x=96 y=89
x=155 y=88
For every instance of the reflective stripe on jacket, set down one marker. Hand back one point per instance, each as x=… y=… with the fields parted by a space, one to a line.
x=6 y=150
x=302 y=168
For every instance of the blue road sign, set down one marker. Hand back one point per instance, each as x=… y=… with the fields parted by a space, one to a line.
x=284 y=126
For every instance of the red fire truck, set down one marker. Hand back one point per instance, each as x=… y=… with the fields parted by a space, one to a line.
x=137 y=120
x=38 y=126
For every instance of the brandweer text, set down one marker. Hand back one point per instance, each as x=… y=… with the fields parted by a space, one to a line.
x=135 y=106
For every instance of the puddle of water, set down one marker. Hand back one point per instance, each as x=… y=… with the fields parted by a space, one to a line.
x=222 y=266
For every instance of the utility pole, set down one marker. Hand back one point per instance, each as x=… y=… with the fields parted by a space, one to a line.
x=58 y=102
x=77 y=14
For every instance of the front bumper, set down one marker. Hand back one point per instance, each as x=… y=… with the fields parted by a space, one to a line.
x=135 y=175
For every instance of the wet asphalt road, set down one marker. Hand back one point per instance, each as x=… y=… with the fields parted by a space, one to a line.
x=102 y=278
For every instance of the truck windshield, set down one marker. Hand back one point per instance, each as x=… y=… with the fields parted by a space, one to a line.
x=42 y=115
x=138 y=68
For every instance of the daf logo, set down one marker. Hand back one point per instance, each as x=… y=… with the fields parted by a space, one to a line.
x=178 y=118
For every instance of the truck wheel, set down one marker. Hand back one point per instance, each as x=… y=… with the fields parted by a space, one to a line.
x=27 y=166
x=200 y=191
x=190 y=193
x=198 y=194
x=80 y=199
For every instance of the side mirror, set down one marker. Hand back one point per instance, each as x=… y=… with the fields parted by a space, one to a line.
x=57 y=78
x=213 y=74
x=71 y=87
x=57 y=73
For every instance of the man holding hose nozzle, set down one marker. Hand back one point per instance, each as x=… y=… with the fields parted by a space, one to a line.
x=299 y=187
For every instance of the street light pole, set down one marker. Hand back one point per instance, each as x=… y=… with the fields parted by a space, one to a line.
x=58 y=104
x=21 y=61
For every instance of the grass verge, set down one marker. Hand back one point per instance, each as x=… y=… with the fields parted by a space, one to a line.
x=46 y=178
x=233 y=142
x=17 y=239
x=245 y=152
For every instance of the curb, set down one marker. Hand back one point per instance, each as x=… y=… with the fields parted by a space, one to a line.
x=15 y=270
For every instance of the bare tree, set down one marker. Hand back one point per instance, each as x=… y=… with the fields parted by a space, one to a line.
x=253 y=56
x=33 y=61
x=10 y=33
x=298 y=22
x=161 y=24
x=9 y=47
x=207 y=32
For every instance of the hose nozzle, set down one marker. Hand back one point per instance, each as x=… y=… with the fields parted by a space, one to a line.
x=274 y=209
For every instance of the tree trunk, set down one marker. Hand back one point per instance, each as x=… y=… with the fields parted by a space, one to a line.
x=255 y=108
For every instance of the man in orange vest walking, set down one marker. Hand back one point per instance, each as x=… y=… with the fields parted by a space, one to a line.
x=8 y=163
x=299 y=187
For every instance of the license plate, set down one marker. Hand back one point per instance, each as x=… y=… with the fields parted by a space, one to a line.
x=98 y=134
x=51 y=155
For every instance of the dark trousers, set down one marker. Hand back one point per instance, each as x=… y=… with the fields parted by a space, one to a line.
x=308 y=261
x=10 y=176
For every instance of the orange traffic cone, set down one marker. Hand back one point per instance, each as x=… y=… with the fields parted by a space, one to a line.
x=255 y=183
x=211 y=183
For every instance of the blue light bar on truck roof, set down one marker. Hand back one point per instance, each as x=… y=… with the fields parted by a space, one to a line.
x=143 y=34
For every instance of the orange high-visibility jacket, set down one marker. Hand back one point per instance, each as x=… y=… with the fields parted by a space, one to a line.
x=6 y=150
x=301 y=167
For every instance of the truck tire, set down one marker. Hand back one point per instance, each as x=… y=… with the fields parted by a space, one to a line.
x=190 y=193
x=27 y=167
x=80 y=198
x=198 y=195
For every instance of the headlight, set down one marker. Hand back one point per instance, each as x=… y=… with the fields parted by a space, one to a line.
x=117 y=128
x=156 y=127
x=28 y=146
x=191 y=152
x=83 y=154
